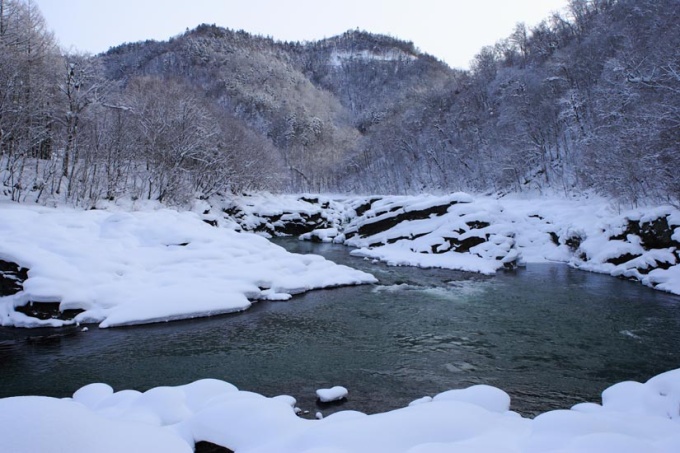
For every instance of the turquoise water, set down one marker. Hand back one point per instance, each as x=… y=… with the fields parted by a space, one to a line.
x=549 y=335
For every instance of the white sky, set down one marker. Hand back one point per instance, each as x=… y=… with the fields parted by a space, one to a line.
x=453 y=31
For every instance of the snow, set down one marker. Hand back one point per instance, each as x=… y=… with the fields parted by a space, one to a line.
x=486 y=234
x=321 y=234
x=403 y=255
x=32 y=423
x=158 y=265
x=335 y=393
x=126 y=268
x=337 y=58
x=633 y=417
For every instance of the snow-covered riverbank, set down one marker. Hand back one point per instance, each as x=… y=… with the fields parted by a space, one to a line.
x=122 y=268
x=119 y=266
x=480 y=234
x=633 y=418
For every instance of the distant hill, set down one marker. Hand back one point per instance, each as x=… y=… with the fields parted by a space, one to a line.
x=314 y=101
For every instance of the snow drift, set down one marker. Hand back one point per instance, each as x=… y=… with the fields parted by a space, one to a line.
x=122 y=268
x=633 y=417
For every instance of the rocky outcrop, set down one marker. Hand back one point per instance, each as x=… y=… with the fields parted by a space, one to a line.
x=47 y=310
x=12 y=277
x=457 y=229
x=302 y=216
x=643 y=246
x=383 y=220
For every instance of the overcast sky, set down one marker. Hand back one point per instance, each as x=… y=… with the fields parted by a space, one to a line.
x=452 y=30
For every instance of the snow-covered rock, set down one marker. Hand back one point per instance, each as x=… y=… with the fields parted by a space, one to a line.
x=642 y=245
x=335 y=393
x=484 y=234
x=122 y=268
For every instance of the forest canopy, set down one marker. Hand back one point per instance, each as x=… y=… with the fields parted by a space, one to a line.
x=588 y=100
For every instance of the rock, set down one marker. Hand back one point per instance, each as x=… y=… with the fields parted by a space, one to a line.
x=384 y=223
x=47 y=310
x=12 y=277
x=622 y=259
x=574 y=242
x=209 y=447
x=655 y=234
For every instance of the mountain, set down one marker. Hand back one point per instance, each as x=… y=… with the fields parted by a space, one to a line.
x=315 y=101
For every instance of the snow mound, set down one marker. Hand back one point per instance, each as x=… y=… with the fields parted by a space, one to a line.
x=633 y=417
x=127 y=268
x=332 y=394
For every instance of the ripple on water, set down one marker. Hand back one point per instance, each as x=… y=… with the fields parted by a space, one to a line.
x=547 y=343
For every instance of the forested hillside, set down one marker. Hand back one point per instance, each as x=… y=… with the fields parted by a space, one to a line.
x=587 y=100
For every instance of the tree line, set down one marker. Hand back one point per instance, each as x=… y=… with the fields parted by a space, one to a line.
x=67 y=132
x=589 y=99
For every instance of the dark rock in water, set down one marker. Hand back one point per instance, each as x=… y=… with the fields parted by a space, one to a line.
x=209 y=447
x=12 y=277
x=315 y=238
x=325 y=404
x=47 y=310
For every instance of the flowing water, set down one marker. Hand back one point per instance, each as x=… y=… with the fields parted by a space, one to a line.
x=549 y=335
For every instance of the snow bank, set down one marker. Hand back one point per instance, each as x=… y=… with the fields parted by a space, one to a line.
x=126 y=268
x=32 y=424
x=484 y=234
x=633 y=417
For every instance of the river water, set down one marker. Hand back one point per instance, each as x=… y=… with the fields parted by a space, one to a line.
x=549 y=335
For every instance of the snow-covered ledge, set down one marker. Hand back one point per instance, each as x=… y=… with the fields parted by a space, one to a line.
x=478 y=233
x=123 y=268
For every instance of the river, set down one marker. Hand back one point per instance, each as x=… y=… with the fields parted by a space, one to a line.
x=549 y=335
